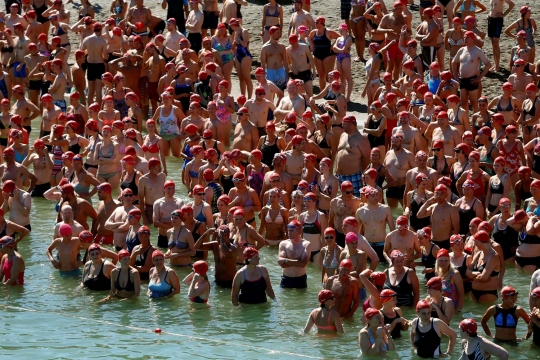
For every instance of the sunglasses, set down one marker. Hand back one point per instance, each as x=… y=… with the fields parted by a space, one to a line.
x=511 y=294
x=200 y=194
x=240 y=114
x=506 y=206
x=291 y=228
x=412 y=46
x=329 y=237
x=457 y=151
x=436 y=149
x=260 y=93
x=424 y=179
x=301 y=188
x=237 y=180
x=277 y=180
x=348 y=192
x=144 y=233
x=128 y=195
x=518 y=66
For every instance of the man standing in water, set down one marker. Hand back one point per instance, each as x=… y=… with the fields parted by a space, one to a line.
x=294 y=159
x=393 y=25
x=96 y=50
x=404 y=240
x=118 y=223
x=67 y=218
x=373 y=218
x=341 y=207
x=225 y=254
x=82 y=209
x=163 y=208
x=274 y=59
x=107 y=205
x=68 y=248
x=444 y=217
x=150 y=189
x=465 y=67
x=38 y=157
x=345 y=288
x=353 y=154
x=495 y=26
x=18 y=203
x=398 y=161
x=293 y=257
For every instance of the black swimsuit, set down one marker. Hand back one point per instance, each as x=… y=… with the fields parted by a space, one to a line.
x=98 y=283
x=129 y=284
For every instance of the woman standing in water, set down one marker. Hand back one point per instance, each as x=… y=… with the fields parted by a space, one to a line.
x=199 y=289
x=326 y=320
x=11 y=264
x=125 y=280
x=251 y=284
x=375 y=338
x=426 y=333
x=273 y=219
x=164 y=282
x=476 y=347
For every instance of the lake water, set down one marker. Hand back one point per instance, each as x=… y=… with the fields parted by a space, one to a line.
x=51 y=318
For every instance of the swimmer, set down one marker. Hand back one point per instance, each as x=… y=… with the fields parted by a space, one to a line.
x=325 y=319
x=251 y=283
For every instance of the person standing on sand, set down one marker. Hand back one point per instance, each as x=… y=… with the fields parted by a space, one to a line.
x=301 y=63
x=96 y=49
x=495 y=27
x=274 y=59
x=465 y=67
x=393 y=25
x=299 y=18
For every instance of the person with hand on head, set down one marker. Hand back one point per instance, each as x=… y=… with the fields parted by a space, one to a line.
x=251 y=283
x=164 y=282
x=506 y=316
x=426 y=333
x=199 y=287
x=326 y=320
x=11 y=263
x=375 y=337
x=225 y=254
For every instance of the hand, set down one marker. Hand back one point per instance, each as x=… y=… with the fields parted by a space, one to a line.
x=55 y=264
x=195 y=277
x=281 y=260
x=363 y=94
x=380 y=330
x=31 y=149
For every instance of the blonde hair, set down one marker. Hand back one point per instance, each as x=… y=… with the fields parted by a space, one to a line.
x=439 y=272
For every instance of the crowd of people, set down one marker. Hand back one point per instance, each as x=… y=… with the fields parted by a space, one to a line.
x=141 y=89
